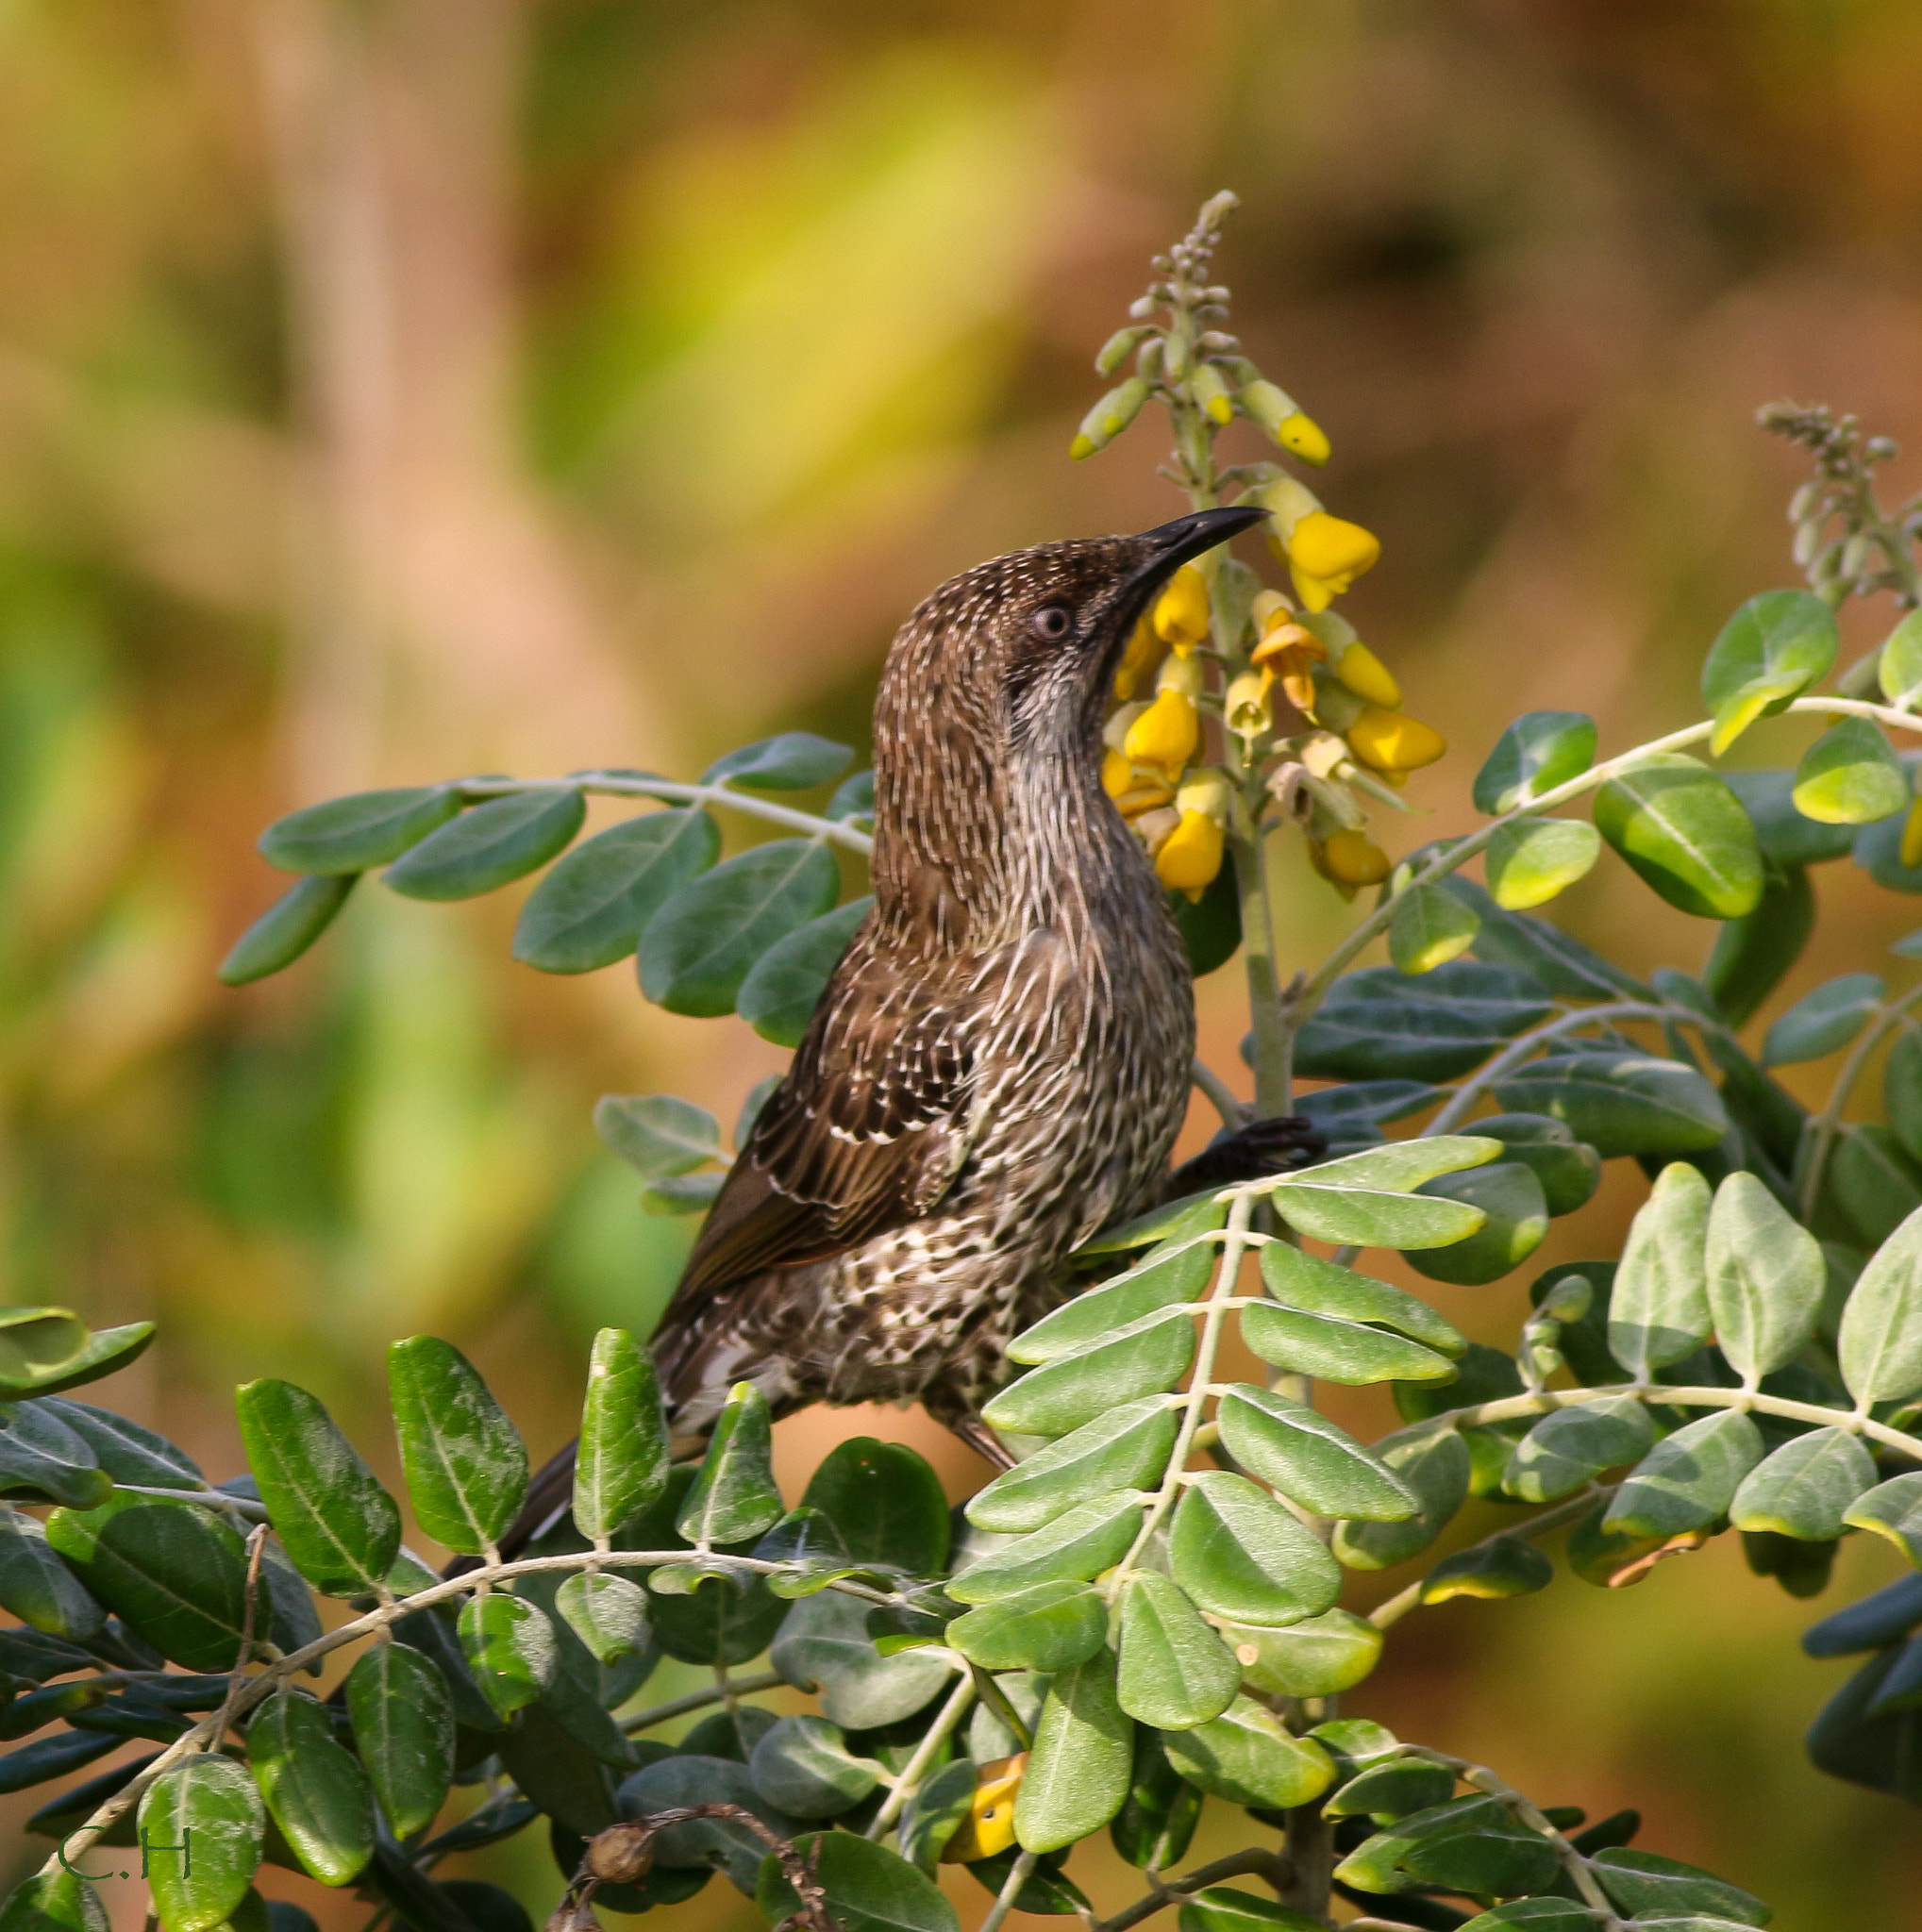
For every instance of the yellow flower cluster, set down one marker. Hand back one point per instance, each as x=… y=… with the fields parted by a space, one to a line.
x=1153 y=742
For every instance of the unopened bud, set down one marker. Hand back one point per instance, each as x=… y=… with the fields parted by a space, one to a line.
x=1110 y=417
x=1181 y=674
x=1269 y=608
x=1168 y=734
x=1367 y=675
x=1392 y=741
x=1268 y=404
x=1180 y=612
x=1354 y=858
x=1808 y=541
x=1142 y=308
x=1177 y=352
x=1207 y=793
x=1210 y=390
x=1118 y=348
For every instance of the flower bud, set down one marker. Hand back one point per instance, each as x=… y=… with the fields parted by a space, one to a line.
x=1288 y=503
x=1325 y=554
x=1207 y=792
x=1180 y=612
x=1118 y=348
x=1181 y=673
x=1168 y=734
x=1802 y=504
x=1269 y=608
x=1364 y=674
x=1268 y=404
x=1210 y=389
x=1245 y=705
x=1189 y=858
x=1912 y=837
x=1303 y=437
x=1354 y=858
x=1392 y=742
x=1109 y=417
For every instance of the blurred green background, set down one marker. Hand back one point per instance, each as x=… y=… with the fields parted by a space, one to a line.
x=391 y=388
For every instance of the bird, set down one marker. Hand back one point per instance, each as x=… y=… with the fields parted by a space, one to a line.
x=1000 y=1062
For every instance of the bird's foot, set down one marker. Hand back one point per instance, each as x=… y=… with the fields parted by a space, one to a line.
x=1277 y=1145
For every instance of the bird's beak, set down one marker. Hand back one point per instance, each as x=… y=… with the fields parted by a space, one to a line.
x=1168 y=547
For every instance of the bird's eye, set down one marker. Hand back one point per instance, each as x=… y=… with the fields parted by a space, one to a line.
x=1051 y=621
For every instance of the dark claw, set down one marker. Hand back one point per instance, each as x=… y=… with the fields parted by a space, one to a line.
x=1262 y=1147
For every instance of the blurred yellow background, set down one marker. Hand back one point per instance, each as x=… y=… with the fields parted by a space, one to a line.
x=393 y=389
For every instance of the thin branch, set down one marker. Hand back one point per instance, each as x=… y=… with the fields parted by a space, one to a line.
x=243 y=1507
x=911 y=1773
x=699 y=1700
x=628 y=784
x=1219 y=1094
x=1822 y=1129
x=1004 y=1899
x=1270 y=1866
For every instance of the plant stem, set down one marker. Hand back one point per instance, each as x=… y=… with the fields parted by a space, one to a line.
x=1822 y=1129
x=1271 y=1867
x=1218 y=1093
x=905 y=1786
x=1004 y=1900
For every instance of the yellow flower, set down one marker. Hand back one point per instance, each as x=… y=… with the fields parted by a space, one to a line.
x=1325 y=554
x=1117 y=775
x=1180 y=614
x=1392 y=742
x=1911 y=836
x=1367 y=676
x=1189 y=858
x=1352 y=858
x=989 y=1827
x=1152 y=827
x=1292 y=653
x=1245 y=705
x=1269 y=608
x=1114 y=733
x=1303 y=436
x=1143 y=652
x=1206 y=792
x=1168 y=734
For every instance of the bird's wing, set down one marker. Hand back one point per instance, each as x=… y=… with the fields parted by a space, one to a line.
x=865 y=1134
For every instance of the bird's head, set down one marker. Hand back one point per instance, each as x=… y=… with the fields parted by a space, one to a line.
x=996 y=690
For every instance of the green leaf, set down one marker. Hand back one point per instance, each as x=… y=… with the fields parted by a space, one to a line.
x=1685 y=833
x=1825 y=1021
x=1211 y=926
x=1649 y=1886
x=784 y=986
x=1884 y=1617
x=510 y=1649
x=1398 y=1166
x=1806 y=1488
x=1346 y=1113
x=1503 y=1566
x=1175 y=1272
x=52 y=1757
x=1387 y=1792
x=1752 y=955
x=1893 y=1509
x=404 y=1730
x=54 y=1902
x=127 y=1453
x=886 y=1502
x=315 y=1790
x=590 y=909
x=1175 y=1671
x=1537 y=752
x=696 y=951
x=1688 y=1479
x=175 y=1572
x=1319 y=1657
x=1544 y=1914
x=1168 y=1225
x=1331 y=1350
x=1620 y=1102
x=1532 y=860
x=934 y=1814
x=658 y=1134
x=1220 y=1909
x=1430 y=928
x=1572 y=1446
x=1247 y=1757
x=794 y=762
x=824 y=1642
x=1077 y=1772
x=287 y=929
x=1126 y=1448
x=1902 y=1091
x=802 y=1766
x=37 y=1588
x=359 y=832
x=1306 y=1282
x=1240 y=1553
x=1435 y=1464
x=1516 y=1213
x=1380 y=1025
x=208 y=1803
x=1766 y=1278
x=1355 y=1216
x=1658 y=1306
x=1308 y=1458
x=868 y=1888
x=1872 y=1181
x=1850 y=777
x=1880 y=1342
x=1776 y=645
x=607 y=1613
x=489 y=846
x=1878 y=850
x=1510 y=1859
x=621 y=1464
x=1153 y=1827
x=1090 y=1537
x=734 y=1495
x=44 y=1350
x=333 y=1518
x=1379 y=1863
x=466 y=1465
x=1145 y=1358
x=1052 y=1628
x=696 y=1779
x=1569 y=1170
x=1539 y=956
x=1785 y=836
x=1898 y=665
x=42 y=1459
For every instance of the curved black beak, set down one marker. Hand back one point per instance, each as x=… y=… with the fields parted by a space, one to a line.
x=1168 y=547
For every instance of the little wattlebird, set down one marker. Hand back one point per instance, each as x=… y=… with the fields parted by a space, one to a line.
x=1000 y=1062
